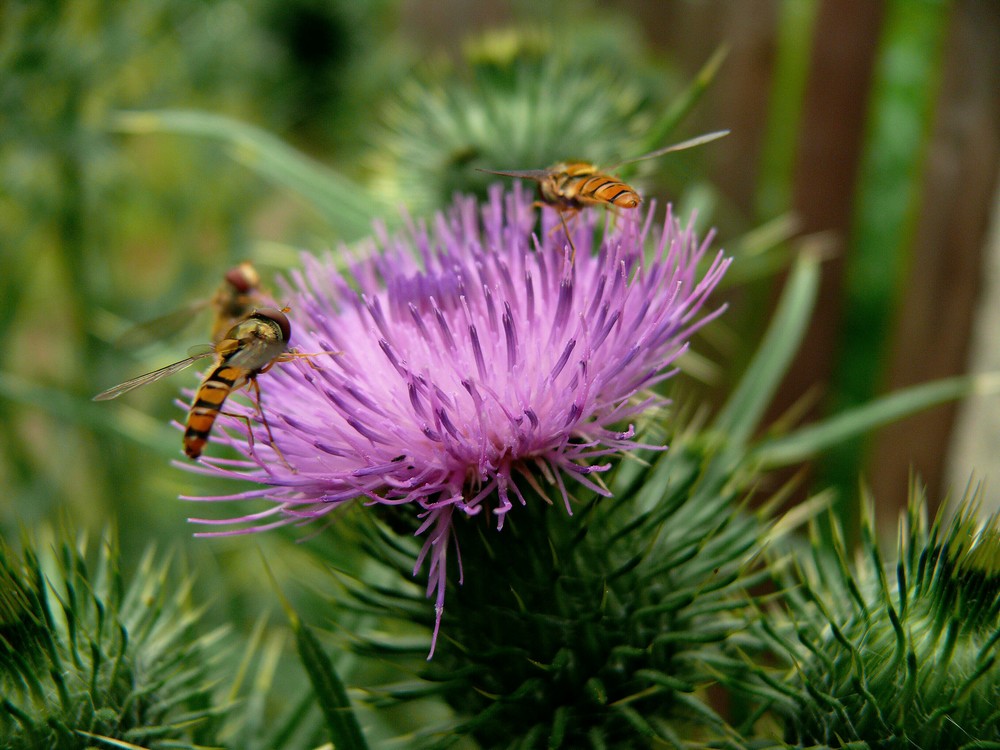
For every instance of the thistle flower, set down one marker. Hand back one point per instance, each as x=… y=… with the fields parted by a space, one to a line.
x=477 y=362
x=896 y=659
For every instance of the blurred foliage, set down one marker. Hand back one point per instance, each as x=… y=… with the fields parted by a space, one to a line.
x=91 y=223
x=94 y=225
x=883 y=226
x=791 y=69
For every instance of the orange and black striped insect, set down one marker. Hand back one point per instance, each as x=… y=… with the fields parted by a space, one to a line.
x=236 y=297
x=248 y=349
x=569 y=186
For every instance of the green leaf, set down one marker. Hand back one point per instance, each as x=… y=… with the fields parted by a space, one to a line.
x=348 y=206
x=762 y=252
x=330 y=692
x=754 y=392
x=889 y=203
x=345 y=732
x=796 y=19
x=122 y=744
x=806 y=442
x=685 y=101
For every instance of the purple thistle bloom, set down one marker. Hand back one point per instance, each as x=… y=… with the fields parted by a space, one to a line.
x=476 y=361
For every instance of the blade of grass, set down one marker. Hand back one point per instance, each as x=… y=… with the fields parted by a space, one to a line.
x=795 y=34
x=684 y=102
x=348 y=206
x=902 y=103
x=808 y=441
x=345 y=732
x=745 y=407
x=762 y=252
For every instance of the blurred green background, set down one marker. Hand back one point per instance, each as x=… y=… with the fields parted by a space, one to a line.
x=875 y=123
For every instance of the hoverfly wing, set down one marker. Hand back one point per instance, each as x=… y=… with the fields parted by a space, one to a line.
x=160 y=327
x=689 y=143
x=246 y=354
x=195 y=354
x=200 y=351
x=525 y=174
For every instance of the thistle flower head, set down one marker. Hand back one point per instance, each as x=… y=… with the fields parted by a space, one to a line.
x=898 y=658
x=476 y=361
x=521 y=101
x=85 y=655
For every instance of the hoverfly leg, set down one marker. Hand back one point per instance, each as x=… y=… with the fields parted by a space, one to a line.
x=615 y=216
x=267 y=427
x=307 y=356
x=309 y=359
x=245 y=420
x=569 y=237
x=564 y=226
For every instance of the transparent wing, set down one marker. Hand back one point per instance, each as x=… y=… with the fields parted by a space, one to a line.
x=526 y=174
x=200 y=351
x=196 y=354
x=250 y=354
x=690 y=143
x=160 y=327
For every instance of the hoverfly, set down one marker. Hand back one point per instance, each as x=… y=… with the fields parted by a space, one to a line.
x=569 y=186
x=236 y=297
x=249 y=348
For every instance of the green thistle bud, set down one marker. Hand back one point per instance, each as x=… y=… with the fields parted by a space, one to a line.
x=600 y=629
x=896 y=661
x=22 y=627
x=85 y=656
x=519 y=103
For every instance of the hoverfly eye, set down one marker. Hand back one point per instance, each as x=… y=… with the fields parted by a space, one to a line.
x=242 y=278
x=277 y=317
